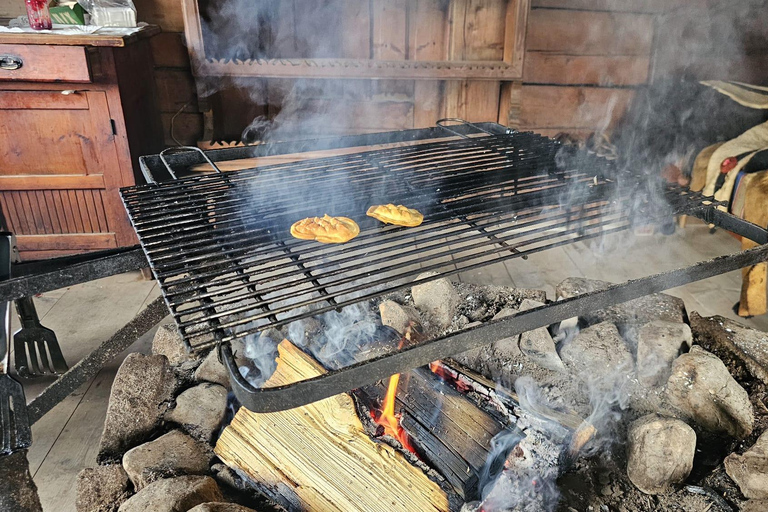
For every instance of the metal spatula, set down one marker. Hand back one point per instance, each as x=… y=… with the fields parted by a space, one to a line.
x=15 y=433
x=36 y=350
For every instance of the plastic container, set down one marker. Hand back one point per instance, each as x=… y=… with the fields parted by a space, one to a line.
x=39 y=16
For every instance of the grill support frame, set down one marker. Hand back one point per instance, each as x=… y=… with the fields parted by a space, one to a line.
x=356 y=375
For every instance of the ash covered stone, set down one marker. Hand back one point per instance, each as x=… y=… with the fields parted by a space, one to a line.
x=200 y=410
x=750 y=470
x=141 y=393
x=168 y=342
x=102 y=488
x=660 y=453
x=598 y=355
x=397 y=316
x=703 y=389
x=220 y=507
x=18 y=493
x=754 y=506
x=213 y=370
x=658 y=306
x=173 y=454
x=658 y=345
x=538 y=345
x=437 y=298
x=731 y=340
x=174 y=495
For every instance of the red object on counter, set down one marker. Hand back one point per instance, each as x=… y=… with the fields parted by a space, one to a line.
x=39 y=16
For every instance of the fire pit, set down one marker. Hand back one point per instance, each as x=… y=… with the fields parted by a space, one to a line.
x=630 y=403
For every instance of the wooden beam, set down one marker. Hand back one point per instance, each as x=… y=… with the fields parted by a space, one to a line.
x=645 y=6
x=572 y=107
x=565 y=69
x=68 y=242
x=52 y=182
x=589 y=33
x=319 y=457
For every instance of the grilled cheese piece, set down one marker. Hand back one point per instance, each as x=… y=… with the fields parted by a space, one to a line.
x=327 y=230
x=398 y=215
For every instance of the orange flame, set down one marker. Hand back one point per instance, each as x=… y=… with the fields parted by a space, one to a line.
x=389 y=419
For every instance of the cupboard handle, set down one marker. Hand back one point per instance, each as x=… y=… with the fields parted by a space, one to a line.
x=10 y=62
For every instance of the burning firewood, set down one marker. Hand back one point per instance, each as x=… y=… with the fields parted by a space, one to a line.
x=319 y=457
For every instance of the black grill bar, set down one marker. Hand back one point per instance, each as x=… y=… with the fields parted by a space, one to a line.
x=220 y=246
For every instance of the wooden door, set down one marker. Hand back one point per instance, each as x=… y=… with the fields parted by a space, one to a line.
x=59 y=172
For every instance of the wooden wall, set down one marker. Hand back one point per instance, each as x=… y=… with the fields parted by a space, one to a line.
x=584 y=61
x=727 y=41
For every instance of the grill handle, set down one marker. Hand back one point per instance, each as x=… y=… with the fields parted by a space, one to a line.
x=176 y=149
x=441 y=123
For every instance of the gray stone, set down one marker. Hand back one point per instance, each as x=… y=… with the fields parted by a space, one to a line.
x=753 y=506
x=18 y=492
x=213 y=370
x=538 y=344
x=168 y=342
x=505 y=312
x=221 y=507
x=750 y=471
x=227 y=477
x=439 y=299
x=731 y=340
x=141 y=393
x=658 y=345
x=173 y=454
x=174 y=495
x=598 y=356
x=701 y=387
x=397 y=316
x=102 y=489
x=200 y=410
x=660 y=453
x=657 y=306
x=505 y=348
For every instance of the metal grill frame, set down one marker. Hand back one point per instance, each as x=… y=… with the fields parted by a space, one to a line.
x=356 y=375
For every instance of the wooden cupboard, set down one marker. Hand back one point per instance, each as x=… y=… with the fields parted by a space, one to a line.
x=76 y=112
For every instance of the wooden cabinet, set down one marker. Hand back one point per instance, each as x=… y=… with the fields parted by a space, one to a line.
x=74 y=118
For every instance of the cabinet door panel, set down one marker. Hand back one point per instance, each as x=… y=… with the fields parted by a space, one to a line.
x=59 y=171
x=50 y=139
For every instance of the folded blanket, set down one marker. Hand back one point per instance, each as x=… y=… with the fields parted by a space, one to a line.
x=751 y=141
x=753 y=96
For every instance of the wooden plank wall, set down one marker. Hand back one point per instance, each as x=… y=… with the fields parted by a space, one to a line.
x=584 y=60
x=176 y=90
x=728 y=41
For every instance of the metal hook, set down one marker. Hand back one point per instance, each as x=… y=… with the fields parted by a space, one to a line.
x=179 y=149
x=441 y=124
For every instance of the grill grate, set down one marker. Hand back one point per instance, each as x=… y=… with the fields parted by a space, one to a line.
x=220 y=246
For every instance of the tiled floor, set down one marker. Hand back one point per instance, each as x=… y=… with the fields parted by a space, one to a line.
x=66 y=439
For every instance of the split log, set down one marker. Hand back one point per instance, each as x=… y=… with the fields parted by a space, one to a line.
x=449 y=431
x=319 y=457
